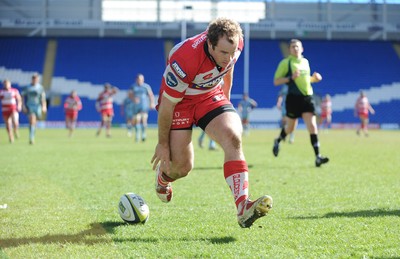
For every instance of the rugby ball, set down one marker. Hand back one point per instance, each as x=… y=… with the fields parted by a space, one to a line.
x=133 y=209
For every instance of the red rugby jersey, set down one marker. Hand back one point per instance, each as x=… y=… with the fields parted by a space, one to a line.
x=105 y=100
x=362 y=105
x=191 y=70
x=72 y=105
x=9 y=99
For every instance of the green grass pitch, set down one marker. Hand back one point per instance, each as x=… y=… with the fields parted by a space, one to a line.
x=62 y=196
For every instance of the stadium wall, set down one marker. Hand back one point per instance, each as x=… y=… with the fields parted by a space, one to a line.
x=85 y=64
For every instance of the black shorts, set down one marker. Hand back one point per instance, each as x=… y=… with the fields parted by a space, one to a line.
x=296 y=105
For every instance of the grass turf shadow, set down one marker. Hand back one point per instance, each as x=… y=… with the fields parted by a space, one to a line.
x=355 y=214
x=97 y=233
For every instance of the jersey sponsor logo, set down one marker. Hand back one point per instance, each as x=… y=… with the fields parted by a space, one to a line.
x=171 y=80
x=218 y=98
x=178 y=121
x=178 y=70
x=198 y=41
x=210 y=84
x=208 y=76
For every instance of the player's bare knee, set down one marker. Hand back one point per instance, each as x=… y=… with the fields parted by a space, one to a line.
x=181 y=170
x=233 y=138
x=237 y=142
x=185 y=169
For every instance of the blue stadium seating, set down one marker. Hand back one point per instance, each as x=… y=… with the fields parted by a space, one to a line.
x=352 y=65
x=110 y=60
x=346 y=66
x=23 y=53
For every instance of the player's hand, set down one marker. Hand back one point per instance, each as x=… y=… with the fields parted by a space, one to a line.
x=317 y=76
x=161 y=156
x=295 y=74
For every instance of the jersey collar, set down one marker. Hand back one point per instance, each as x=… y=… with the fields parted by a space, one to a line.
x=211 y=57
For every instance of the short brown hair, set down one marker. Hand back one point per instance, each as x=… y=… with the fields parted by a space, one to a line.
x=223 y=26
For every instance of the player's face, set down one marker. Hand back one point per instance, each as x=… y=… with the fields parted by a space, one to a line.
x=140 y=80
x=296 y=49
x=7 y=84
x=35 y=80
x=224 y=52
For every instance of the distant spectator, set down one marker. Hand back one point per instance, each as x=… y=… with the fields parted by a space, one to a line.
x=11 y=104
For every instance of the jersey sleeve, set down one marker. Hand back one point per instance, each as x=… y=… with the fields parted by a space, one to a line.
x=282 y=69
x=23 y=91
x=175 y=79
x=79 y=102
x=148 y=89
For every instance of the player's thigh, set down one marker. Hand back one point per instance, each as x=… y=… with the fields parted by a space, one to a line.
x=15 y=117
x=128 y=116
x=35 y=111
x=291 y=124
x=7 y=119
x=144 y=116
x=181 y=147
x=329 y=118
x=138 y=117
x=6 y=116
x=226 y=129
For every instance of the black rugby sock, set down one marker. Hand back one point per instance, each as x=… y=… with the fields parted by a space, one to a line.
x=283 y=135
x=315 y=143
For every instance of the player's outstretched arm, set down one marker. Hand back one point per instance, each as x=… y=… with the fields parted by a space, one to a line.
x=162 y=151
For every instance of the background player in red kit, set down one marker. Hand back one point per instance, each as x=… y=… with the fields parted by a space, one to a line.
x=195 y=89
x=11 y=104
x=326 y=112
x=362 y=109
x=72 y=105
x=105 y=107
